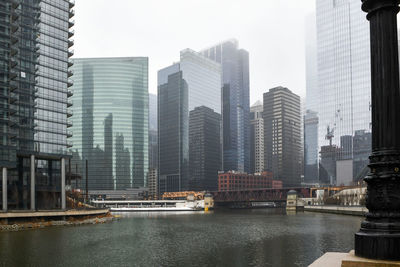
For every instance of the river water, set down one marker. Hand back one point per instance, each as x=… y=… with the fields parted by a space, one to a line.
x=263 y=237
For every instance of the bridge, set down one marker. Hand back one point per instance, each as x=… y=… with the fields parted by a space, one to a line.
x=254 y=195
x=257 y=194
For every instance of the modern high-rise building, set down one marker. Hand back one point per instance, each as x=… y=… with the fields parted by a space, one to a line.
x=193 y=82
x=344 y=83
x=204 y=149
x=256 y=138
x=110 y=122
x=282 y=135
x=236 y=103
x=153 y=112
x=173 y=130
x=312 y=99
x=34 y=82
x=153 y=139
x=152 y=183
x=311 y=150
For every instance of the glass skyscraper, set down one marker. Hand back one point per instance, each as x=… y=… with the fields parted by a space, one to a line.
x=204 y=149
x=193 y=82
x=344 y=90
x=173 y=130
x=311 y=152
x=110 y=121
x=236 y=103
x=34 y=101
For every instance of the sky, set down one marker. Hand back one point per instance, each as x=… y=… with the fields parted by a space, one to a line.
x=271 y=31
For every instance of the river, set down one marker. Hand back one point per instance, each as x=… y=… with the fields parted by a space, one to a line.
x=263 y=237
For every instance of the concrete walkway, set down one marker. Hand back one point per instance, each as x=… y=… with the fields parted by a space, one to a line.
x=346 y=210
x=30 y=214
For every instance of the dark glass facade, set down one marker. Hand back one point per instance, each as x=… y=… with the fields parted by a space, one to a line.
x=235 y=103
x=173 y=130
x=204 y=149
x=34 y=80
x=282 y=135
x=110 y=121
x=193 y=82
x=311 y=156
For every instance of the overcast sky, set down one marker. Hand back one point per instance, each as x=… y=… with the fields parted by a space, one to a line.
x=271 y=30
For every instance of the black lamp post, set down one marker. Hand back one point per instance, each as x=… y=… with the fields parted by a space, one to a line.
x=379 y=236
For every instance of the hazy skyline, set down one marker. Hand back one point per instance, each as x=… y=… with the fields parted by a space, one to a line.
x=272 y=32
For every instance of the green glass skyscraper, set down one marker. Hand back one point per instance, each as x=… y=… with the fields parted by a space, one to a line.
x=110 y=121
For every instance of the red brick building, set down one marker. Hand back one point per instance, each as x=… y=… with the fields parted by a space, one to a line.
x=241 y=181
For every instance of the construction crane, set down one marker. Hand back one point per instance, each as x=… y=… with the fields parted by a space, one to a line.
x=329 y=134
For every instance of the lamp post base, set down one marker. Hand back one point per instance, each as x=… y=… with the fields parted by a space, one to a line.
x=377 y=245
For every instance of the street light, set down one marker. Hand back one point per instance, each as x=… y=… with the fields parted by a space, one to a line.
x=379 y=236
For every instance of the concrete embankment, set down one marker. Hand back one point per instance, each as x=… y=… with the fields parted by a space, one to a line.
x=357 y=211
x=14 y=221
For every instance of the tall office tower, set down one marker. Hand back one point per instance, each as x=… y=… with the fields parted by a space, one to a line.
x=312 y=99
x=153 y=139
x=194 y=82
x=344 y=83
x=204 y=149
x=282 y=135
x=311 y=154
x=152 y=111
x=110 y=122
x=152 y=184
x=236 y=103
x=173 y=129
x=34 y=81
x=256 y=138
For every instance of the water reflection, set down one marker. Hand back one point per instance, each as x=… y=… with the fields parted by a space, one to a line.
x=265 y=237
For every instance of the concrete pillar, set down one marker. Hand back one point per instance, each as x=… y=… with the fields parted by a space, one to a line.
x=33 y=183
x=63 y=201
x=4 y=189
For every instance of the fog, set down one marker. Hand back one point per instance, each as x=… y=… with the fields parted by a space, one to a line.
x=272 y=32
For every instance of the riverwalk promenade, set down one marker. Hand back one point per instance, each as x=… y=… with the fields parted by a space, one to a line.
x=345 y=210
x=38 y=214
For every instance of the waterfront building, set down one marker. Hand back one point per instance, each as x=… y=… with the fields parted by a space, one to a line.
x=193 y=82
x=236 y=103
x=152 y=183
x=153 y=138
x=344 y=81
x=173 y=129
x=110 y=122
x=232 y=180
x=282 y=135
x=34 y=100
x=204 y=149
x=256 y=138
x=311 y=155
